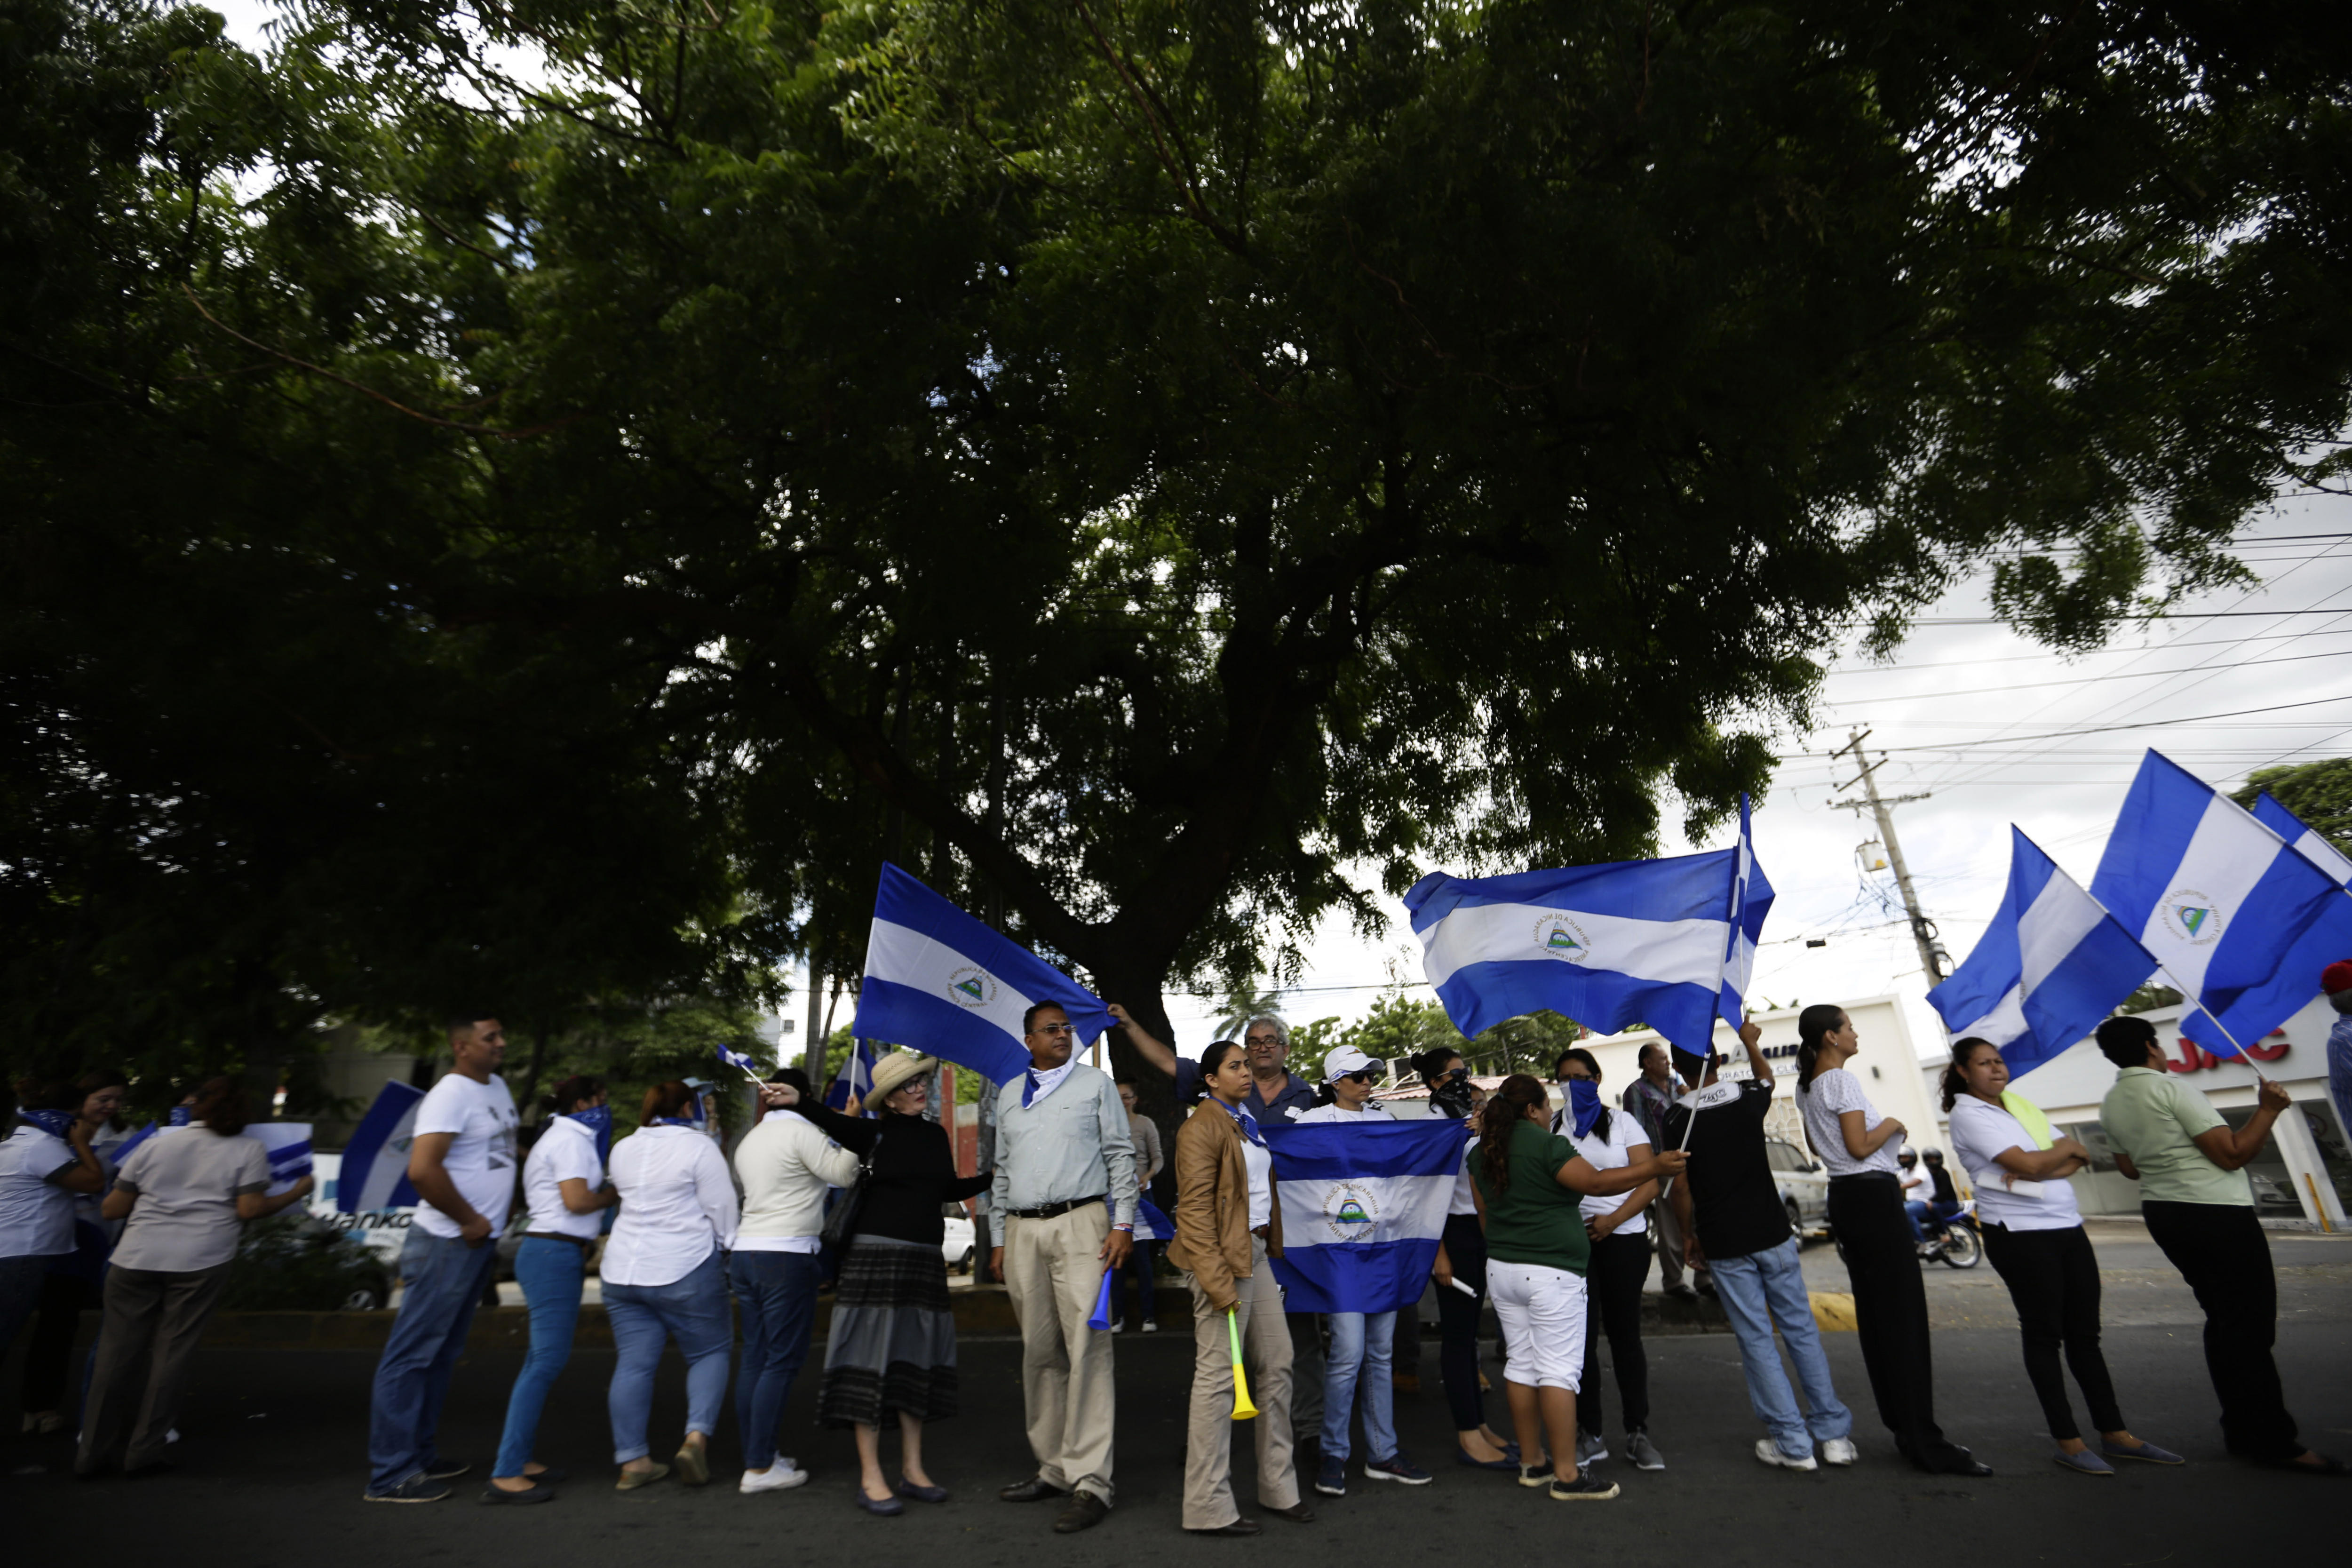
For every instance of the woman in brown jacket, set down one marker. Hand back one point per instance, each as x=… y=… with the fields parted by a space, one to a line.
x=1228 y=1224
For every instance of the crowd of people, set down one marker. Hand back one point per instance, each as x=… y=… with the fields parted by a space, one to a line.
x=1553 y=1220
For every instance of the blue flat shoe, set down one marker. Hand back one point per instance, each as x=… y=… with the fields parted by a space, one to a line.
x=885 y=1508
x=2086 y=1463
x=1508 y=1463
x=2145 y=1451
x=908 y=1488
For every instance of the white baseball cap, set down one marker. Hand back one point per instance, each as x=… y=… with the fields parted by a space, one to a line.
x=1345 y=1060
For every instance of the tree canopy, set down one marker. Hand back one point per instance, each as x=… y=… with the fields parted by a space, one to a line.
x=1134 y=463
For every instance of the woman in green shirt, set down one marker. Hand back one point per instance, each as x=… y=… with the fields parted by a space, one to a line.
x=1528 y=1182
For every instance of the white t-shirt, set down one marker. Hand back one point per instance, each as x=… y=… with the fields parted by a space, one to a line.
x=1979 y=1132
x=37 y=1216
x=482 y=1161
x=1610 y=1154
x=565 y=1152
x=1464 y=1201
x=1821 y=1102
x=1336 y=1112
x=1259 y=1162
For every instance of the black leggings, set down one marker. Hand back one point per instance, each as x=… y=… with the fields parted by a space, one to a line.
x=2053 y=1278
x=1613 y=1289
x=1457 y=1320
x=2220 y=1250
x=49 y=1350
x=1890 y=1313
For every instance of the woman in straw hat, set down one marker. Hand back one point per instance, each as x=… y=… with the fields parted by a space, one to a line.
x=892 y=1345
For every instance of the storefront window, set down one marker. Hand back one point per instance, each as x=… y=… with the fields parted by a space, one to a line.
x=2334 y=1151
x=2274 y=1193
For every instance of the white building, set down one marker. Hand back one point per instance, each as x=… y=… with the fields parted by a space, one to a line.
x=2301 y=1179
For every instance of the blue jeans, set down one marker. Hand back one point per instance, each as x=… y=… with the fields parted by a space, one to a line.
x=1360 y=1344
x=443 y=1278
x=551 y=1274
x=1760 y=1291
x=693 y=1307
x=776 y=1294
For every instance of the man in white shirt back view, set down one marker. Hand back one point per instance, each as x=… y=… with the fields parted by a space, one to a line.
x=462 y=1163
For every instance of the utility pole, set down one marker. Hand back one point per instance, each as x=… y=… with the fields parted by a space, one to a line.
x=1933 y=959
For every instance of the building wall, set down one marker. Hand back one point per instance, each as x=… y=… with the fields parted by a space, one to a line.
x=2305 y=1174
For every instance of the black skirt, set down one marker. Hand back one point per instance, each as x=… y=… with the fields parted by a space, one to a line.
x=892 y=1344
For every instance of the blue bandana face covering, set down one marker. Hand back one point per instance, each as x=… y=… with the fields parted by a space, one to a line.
x=1583 y=1104
x=670 y=1122
x=597 y=1119
x=56 y=1123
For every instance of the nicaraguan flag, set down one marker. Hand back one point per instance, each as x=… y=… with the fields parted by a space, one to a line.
x=375 y=1174
x=289 y=1143
x=853 y=1080
x=941 y=983
x=2220 y=899
x=2051 y=965
x=2329 y=939
x=738 y=1061
x=1362 y=1209
x=1666 y=942
x=1150 y=1223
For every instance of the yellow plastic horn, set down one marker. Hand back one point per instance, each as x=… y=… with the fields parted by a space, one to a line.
x=1242 y=1409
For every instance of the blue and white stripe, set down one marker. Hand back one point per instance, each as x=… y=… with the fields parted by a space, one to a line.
x=2220 y=899
x=1670 y=943
x=2051 y=965
x=941 y=983
x=375 y=1172
x=289 y=1143
x=1363 y=1207
x=2328 y=940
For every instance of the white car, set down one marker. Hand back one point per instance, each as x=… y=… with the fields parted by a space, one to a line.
x=1803 y=1185
x=957 y=1246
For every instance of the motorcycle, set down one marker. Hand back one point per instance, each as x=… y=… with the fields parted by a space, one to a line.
x=1955 y=1242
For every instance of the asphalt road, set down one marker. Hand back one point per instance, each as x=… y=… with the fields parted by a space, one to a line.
x=274 y=1464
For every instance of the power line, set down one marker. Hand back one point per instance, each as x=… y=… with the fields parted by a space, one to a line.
x=2045 y=654
x=2086 y=680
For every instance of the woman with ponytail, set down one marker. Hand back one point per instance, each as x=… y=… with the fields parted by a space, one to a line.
x=2033 y=1234
x=1529 y=1184
x=1619 y=1232
x=1858 y=1147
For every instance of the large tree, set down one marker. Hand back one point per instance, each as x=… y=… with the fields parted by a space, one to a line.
x=1137 y=463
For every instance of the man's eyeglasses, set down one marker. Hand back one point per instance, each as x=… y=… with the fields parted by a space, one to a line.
x=1055 y=1029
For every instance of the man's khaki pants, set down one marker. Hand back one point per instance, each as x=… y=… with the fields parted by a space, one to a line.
x=1052 y=1272
x=1208 y=1444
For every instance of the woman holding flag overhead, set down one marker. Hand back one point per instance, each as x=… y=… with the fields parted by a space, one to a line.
x=1228 y=1224
x=1890 y=1301
x=1530 y=1184
x=2033 y=1234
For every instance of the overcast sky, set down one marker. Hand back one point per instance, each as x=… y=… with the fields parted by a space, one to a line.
x=1992 y=730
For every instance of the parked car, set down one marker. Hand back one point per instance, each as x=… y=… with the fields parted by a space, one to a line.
x=958 y=1246
x=1803 y=1185
x=296 y=1262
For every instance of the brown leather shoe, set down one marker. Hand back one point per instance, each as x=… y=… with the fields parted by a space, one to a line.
x=1036 y=1488
x=1298 y=1512
x=1085 y=1511
x=1238 y=1527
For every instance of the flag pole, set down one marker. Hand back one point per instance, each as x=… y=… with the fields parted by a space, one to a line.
x=2190 y=997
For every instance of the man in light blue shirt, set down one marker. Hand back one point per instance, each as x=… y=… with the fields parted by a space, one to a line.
x=1062 y=1149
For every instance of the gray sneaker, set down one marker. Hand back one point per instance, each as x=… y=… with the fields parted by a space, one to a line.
x=1643 y=1452
x=1591 y=1448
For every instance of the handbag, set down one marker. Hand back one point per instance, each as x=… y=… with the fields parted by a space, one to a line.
x=841 y=1220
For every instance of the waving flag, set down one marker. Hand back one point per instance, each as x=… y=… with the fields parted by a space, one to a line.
x=375 y=1174
x=854 y=1079
x=2220 y=899
x=1362 y=1210
x=740 y=1061
x=2329 y=938
x=2051 y=965
x=940 y=981
x=289 y=1143
x=1667 y=942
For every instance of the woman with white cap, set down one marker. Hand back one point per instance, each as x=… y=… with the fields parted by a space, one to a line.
x=1360 y=1342
x=892 y=1345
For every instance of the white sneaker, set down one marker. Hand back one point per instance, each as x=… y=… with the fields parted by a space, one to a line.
x=1119 y=1325
x=1150 y=1325
x=1838 y=1451
x=1769 y=1452
x=781 y=1476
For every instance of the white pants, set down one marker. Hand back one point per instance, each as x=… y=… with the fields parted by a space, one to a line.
x=1542 y=1313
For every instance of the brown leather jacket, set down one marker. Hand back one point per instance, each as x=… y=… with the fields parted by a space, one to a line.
x=1213 y=1229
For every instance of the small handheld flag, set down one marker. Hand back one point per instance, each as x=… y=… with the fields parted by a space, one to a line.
x=737 y=1059
x=1242 y=1409
x=1100 y=1321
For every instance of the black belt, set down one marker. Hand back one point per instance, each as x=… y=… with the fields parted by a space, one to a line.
x=1863 y=1176
x=579 y=1241
x=1262 y=1232
x=1054 y=1210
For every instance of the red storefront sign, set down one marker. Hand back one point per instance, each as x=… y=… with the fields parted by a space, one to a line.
x=2195 y=1057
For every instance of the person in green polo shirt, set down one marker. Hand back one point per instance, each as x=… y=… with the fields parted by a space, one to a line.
x=2199 y=1208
